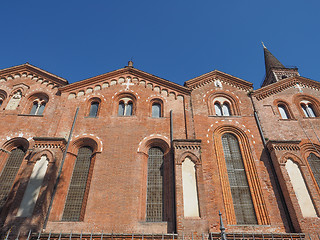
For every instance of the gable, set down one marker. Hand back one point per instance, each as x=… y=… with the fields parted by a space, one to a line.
x=284 y=84
x=33 y=73
x=217 y=76
x=127 y=77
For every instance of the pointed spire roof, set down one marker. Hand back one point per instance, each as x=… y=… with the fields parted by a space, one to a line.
x=270 y=60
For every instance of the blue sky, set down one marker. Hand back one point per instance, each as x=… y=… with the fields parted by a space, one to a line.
x=176 y=40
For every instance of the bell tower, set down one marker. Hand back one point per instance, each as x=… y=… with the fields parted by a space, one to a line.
x=275 y=70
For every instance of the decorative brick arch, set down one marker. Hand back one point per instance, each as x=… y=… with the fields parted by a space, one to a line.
x=251 y=173
x=80 y=141
x=16 y=142
x=315 y=103
x=283 y=102
x=190 y=155
x=233 y=102
x=293 y=157
x=154 y=140
x=50 y=155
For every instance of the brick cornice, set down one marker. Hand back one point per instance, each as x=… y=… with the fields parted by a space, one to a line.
x=284 y=84
x=49 y=142
x=27 y=67
x=127 y=70
x=283 y=145
x=224 y=77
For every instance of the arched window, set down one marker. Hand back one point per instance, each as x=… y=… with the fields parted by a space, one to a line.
x=3 y=96
x=38 y=107
x=240 y=191
x=283 y=111
x=218 y=109
x=156 y=110
x=154 y=212
x=125 y=107
x=73 y=210
x=94 y=107
x=225 y=109
x=314 y=163
x=9 y=173
x=308 y=109
x=33 y=189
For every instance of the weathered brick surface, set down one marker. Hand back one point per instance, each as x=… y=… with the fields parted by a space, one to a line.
x=115 y=198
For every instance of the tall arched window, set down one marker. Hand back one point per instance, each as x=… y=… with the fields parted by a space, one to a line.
x=283 y=111
x=33 y=188
x=314 y=163
x=156 y=110
x=125 y=107
x=240 y=191
x=154 y=212
x=9 y=173
x=94 y=107
x=73 y=210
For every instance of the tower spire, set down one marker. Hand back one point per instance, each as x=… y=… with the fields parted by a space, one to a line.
x=270 y=60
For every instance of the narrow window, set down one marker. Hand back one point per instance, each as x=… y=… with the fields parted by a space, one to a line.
x=41 y=108
x=218 y=109
x=74 y=203
x=128 y=109
x=314 y=163
x=310 y=110
x=283 y=111
x=156 y=110
x=9 y=174
x=155 y=185
x=33 y=189
x=300 y=189
x=34 y=108
x=241 y=196
x=226 y=109
x=121 y=109
x=1 y=101
x=304 y=109
x=94 y=109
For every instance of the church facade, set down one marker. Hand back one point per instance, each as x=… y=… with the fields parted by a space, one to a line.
x=132 y=155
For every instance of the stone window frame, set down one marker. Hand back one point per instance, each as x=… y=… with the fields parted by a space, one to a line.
x=223 y=98
x=89 y=104
x=160 y=102
x=251 y=173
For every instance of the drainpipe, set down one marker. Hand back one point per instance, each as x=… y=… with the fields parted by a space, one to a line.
x=60 y=169
x=276 y=179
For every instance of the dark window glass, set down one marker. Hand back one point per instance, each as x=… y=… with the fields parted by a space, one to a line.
x=128 y=108
x=34 y=108
x=41 y=108
x=155 y=185
x=121 y=109
x=9 y=173
x=314 y=163
x=78 y=183
x=156 y=110
x=241 y=196
x=94 y=109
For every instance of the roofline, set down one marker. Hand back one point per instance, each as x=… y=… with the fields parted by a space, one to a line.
x=147 y=76
x=29 y=66
x=193 y=81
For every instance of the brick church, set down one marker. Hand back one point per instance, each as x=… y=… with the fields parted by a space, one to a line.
x=129 y=155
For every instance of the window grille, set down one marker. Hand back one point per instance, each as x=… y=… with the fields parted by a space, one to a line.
x=9 y=174
x=155 y=185
x=77 y=188
x=314 y=163
x=241 y=196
